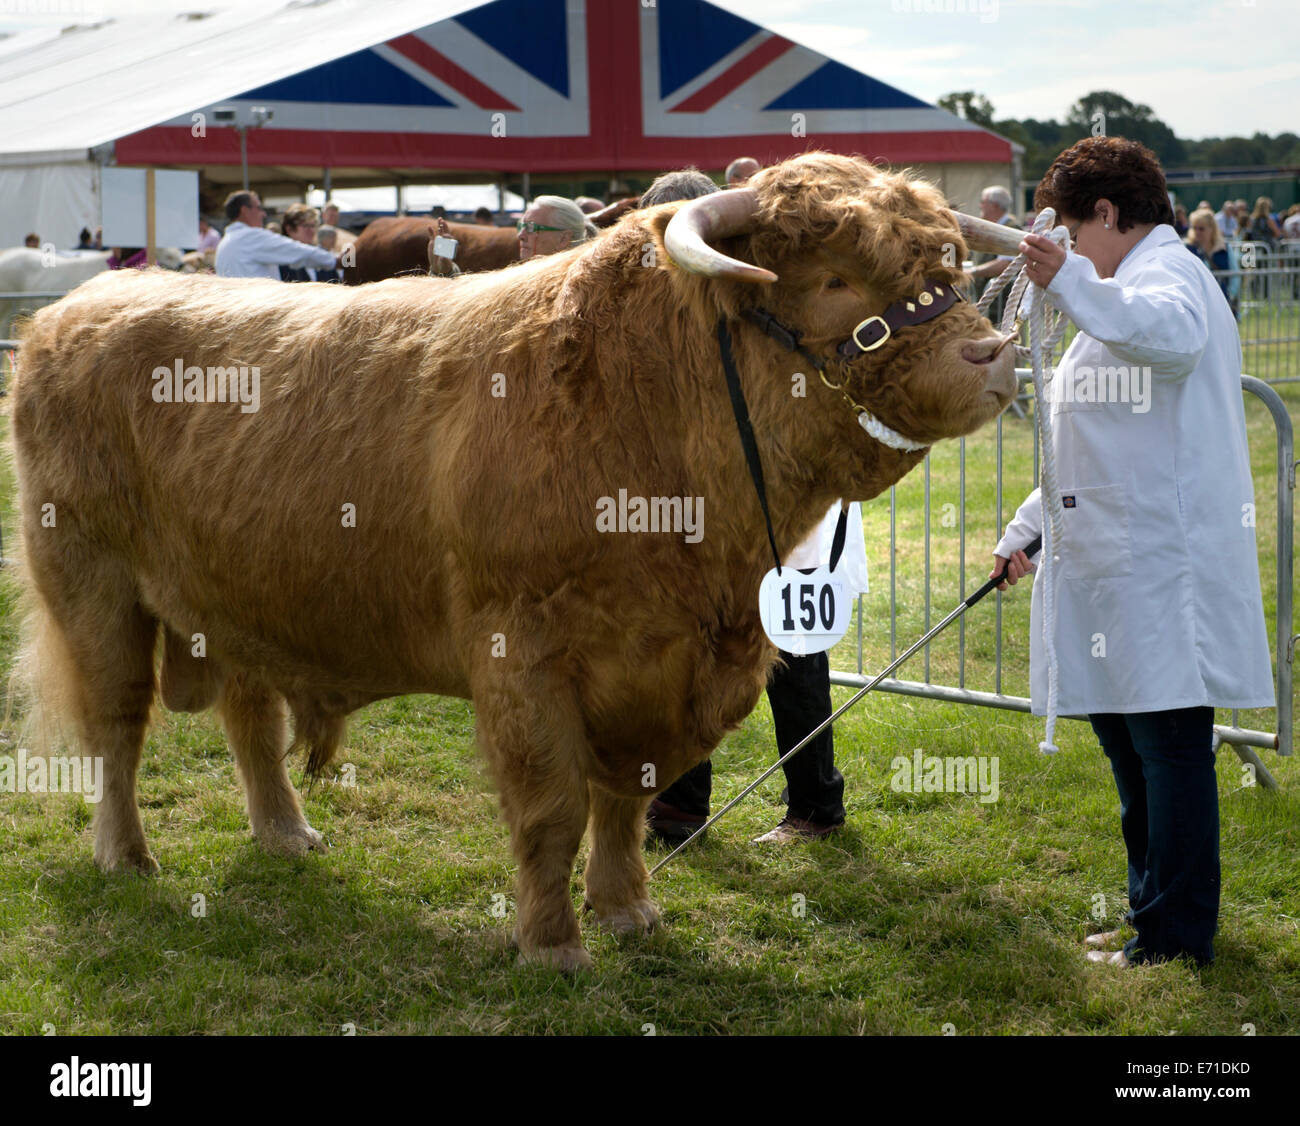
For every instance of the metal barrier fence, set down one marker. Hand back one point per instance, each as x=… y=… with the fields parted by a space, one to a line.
x=1263 y=285
x=1241 y=739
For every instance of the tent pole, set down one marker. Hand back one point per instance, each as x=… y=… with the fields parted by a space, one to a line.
x=527 y=191
x=150 y=220
x=243 y=151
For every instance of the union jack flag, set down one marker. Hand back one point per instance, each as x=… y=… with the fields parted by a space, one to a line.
x=577 y=85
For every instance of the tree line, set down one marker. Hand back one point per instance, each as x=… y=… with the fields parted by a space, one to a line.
x=1104 y=111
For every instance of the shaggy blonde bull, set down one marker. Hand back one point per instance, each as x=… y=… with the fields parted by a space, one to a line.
x=413 y=505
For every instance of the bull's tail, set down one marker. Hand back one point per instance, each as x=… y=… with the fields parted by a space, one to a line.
x=41 y=701
x=320 y=731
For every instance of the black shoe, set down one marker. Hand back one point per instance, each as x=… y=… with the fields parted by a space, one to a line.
x=670 y=824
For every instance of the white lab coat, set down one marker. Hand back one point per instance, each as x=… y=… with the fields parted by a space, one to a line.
x=1158 y=570
x=815 y=551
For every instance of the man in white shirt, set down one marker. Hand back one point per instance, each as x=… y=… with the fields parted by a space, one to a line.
x=248 y=250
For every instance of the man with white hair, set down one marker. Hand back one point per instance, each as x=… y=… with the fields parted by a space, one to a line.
x=995 y=206
x=551 y=224
x=1226 y=217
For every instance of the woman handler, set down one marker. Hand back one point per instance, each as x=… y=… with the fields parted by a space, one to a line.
x=1159 y=617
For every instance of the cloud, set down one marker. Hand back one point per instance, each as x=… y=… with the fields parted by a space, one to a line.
x=1206 y=67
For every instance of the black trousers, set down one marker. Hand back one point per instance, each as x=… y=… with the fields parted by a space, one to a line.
x=800 y=695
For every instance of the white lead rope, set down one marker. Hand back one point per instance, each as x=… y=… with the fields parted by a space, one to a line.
x=1041 y=341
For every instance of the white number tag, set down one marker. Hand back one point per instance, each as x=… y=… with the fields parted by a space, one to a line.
x=802 y=613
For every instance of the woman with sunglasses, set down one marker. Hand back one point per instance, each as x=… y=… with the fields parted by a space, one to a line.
x=1159 y=617
x=551 y=224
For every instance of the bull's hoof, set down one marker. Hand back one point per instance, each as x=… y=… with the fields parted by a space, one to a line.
x=640 y=916
x=137 y=859
x=291 y=840
x=566 y=959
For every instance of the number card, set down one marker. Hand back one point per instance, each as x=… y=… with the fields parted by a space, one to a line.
x=803 y=612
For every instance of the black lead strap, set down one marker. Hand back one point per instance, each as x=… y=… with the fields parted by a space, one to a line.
x=841 y=530
x=741 y=411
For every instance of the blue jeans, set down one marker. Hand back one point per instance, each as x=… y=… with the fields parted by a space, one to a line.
x=1163 y=764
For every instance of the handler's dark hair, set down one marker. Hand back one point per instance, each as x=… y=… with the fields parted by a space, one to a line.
x=1125 y=172
x=236 y=202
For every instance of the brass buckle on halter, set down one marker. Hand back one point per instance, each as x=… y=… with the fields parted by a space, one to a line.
x=878 y=343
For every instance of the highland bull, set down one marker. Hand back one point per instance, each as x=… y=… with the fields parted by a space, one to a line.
x=393 y=246
x=413 y=507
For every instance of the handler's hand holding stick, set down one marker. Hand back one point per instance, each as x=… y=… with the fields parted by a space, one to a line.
x=1015 y=568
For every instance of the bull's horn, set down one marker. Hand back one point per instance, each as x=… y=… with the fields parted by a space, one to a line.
x=980 y=234
x=707 y=219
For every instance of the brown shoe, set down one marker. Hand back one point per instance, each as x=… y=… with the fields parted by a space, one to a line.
x=797 y=829
x=670 y=824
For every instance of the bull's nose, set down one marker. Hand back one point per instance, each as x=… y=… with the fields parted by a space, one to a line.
x=984 y=351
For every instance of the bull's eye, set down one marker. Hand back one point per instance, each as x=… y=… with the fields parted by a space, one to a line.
x=835 y=283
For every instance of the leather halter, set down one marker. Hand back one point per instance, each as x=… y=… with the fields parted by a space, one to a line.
x=870 y=334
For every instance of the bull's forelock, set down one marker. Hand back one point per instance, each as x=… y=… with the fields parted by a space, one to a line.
x=895 y=226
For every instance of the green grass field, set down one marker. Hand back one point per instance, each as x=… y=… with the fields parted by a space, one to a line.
x=928 y=910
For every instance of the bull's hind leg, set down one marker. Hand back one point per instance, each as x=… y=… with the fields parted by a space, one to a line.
x=536 y=748
x=117 y=693
x=94 y=653
x=254 y=717
x=616 y=873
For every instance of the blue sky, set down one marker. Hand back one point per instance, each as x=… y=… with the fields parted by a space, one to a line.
x=1206 y=67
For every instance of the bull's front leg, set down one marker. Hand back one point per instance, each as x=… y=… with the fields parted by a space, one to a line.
x=616 y=873
x=530 y=729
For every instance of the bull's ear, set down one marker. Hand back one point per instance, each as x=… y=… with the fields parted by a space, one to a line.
x=693 y=229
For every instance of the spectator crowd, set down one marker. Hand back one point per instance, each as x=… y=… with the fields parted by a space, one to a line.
x=310 y=245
